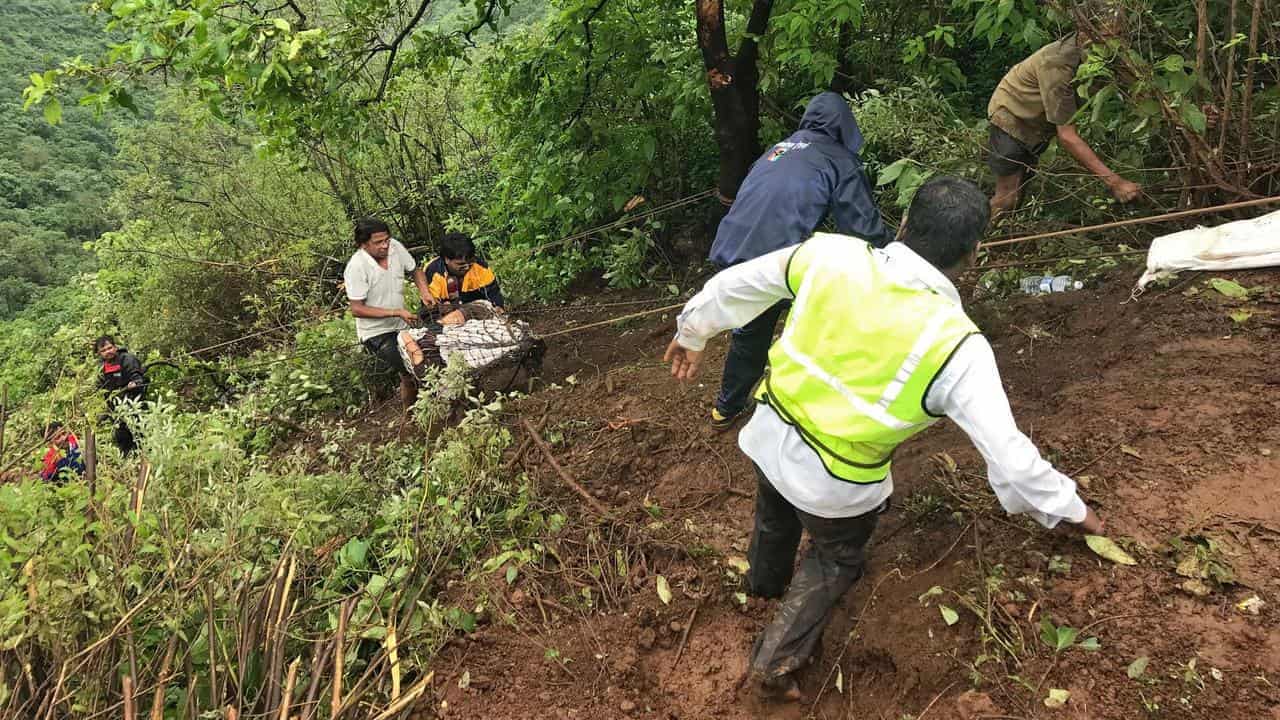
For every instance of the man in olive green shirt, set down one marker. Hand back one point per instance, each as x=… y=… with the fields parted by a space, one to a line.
x=1033 y=104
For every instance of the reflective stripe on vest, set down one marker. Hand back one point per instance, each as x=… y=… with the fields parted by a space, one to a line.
x=857 y=356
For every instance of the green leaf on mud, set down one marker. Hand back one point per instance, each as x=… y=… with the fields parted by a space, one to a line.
x=1240 y=316
x=949 y=616
x=930 y=593
x=1057 y=698
x=1230 y=288
x=1137 y=667
x=1107 y=549
x=739 y=565
x=1090 y=643
x=664 y=590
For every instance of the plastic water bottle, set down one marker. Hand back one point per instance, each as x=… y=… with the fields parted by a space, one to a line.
x=1045 y=284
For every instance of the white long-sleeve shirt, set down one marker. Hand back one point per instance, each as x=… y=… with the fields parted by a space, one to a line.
x=968 y=390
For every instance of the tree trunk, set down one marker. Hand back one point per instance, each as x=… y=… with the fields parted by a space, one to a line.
x=734 y=82
x=843 y=81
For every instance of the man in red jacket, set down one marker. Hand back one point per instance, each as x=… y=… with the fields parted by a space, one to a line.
x=124 y=379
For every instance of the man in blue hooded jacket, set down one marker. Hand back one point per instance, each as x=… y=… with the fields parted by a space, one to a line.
x=789 y=192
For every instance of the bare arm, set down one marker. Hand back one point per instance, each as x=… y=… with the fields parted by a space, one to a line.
x=362 y=310
x=1070 y=139
x=424 y=291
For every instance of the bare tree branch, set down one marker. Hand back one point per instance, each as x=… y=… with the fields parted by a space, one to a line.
x=394 y=48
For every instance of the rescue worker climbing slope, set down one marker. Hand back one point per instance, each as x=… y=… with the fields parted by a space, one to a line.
x=1035 y=103
x=124 y=381
x=876 y=349
x=813 y=175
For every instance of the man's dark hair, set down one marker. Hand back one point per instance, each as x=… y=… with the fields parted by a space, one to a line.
x=366 y=228
x=457 y=245
x=945 y=221
x=103 y=340
x=52 y=428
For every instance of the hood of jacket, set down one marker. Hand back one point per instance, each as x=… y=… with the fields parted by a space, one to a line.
x=829 y=114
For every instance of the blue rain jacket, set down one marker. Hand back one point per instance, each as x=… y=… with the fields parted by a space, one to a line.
x=798 y=183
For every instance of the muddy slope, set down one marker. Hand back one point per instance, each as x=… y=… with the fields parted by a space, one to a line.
x=1166 y=408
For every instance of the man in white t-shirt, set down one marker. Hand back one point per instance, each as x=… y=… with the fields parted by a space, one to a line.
x=374 y=280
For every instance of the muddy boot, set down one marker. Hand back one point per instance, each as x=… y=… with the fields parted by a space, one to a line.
x=782 y=688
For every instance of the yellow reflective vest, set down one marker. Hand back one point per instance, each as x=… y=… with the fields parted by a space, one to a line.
x=857 y=356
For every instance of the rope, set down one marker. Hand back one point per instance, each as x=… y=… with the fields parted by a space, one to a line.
x=611 y=321
x=687 y=200
x=1135 y=221
x=1039 y=261
x=533 y=310
x=239 y=369
x=242 y=338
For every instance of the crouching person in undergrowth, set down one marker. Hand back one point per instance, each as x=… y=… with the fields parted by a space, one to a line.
x=457 y=276
x=876 y=349
x=63 y=459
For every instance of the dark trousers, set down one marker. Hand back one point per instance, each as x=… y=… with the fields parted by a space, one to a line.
x=121 y=435
x=745 y=363
x=123 y=438
x=831 y=564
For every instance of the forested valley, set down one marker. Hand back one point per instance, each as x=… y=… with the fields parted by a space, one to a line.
x=289 y=542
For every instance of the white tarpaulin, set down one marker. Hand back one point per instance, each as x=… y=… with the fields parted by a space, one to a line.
x=1237 y=245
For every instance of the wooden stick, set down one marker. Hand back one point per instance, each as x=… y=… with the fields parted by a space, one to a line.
x=1246 y=107
x=286 y=699
x=90 y=470
x=192 y=710
x=564 y=476
x=934 y=701
x=215 y=697
x=1225 y=122
x=524 y=446
x=339 y=649
x=4 y=408
x=130 y=709
x=162 y=679
x=318 y=665
x=135 y=504
x=684 y=638
x=1136 y=221
x=396 y=707
x=394 y=656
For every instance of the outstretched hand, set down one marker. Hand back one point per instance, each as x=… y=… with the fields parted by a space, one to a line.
x=685 y=363
x=1091 y=525
x=1126 y=191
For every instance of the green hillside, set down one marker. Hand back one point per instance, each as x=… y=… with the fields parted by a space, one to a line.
x=53 y=179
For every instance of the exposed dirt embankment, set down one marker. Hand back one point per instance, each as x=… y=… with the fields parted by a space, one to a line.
x=1166 y=409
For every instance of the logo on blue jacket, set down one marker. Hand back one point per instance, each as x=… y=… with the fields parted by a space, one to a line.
x=783 y=148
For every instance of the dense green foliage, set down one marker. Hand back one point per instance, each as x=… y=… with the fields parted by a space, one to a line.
x=217 y=227
x=54 y=180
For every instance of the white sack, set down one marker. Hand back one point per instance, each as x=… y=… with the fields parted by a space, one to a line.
x=1237 y=245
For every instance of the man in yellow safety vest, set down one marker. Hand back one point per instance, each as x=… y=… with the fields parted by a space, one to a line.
x=876 y=349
